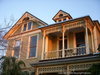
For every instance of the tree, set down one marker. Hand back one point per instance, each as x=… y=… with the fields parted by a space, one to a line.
x=95 y=69
x=12 y=66
x=4 y=27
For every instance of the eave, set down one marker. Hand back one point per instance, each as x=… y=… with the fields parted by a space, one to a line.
x=70 y=60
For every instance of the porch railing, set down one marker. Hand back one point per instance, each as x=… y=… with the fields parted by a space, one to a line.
x=71 y=52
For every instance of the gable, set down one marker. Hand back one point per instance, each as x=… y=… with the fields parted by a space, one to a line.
x=17 y=28
x=61 y=12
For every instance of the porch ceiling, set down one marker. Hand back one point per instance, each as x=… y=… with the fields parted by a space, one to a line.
x=76 y=29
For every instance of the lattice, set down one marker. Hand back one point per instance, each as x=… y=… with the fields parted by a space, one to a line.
x=51 y=69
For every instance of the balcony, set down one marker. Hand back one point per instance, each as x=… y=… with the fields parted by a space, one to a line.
x=67 y=40
x=71 y=52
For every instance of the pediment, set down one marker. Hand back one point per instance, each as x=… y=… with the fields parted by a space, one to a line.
x=19 y=24
x=60 y=14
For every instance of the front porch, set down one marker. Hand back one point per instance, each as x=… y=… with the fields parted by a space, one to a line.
x=66 y=66
x=67 y=40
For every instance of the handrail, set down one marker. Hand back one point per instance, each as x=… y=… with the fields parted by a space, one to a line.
x=67 y=52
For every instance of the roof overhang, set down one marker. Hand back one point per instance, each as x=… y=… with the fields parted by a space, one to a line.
x=70 y=60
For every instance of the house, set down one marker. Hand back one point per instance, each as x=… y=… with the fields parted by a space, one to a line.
x=68 y=46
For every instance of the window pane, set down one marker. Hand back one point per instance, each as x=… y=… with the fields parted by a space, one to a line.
x=17 y=43
x=29 y=25
x=16 y=52
x=80 y=39
x=60 y=44
x=60 y=15
x=33 y=52
x=25 y=27
x=17 y=49
x=33 y=46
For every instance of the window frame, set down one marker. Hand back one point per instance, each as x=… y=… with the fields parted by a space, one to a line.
x=28 y=50
x=19 y=50
x=26 y=23
x=65 y=38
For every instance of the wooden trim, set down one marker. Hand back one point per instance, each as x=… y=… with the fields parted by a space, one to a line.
x=29 y=47
x=25 y=33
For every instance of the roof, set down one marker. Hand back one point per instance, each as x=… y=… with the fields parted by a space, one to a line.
x=18 y=21
x=63 y=12
x=75 y=59
x=37 y=18
x=70 y=20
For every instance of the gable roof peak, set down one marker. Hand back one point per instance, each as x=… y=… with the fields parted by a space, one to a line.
x=60 y=14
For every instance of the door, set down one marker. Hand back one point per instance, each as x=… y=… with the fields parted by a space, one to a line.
x=80 y=43
x=61 y=45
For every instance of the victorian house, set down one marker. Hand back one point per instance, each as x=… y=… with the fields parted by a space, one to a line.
x=66 y=47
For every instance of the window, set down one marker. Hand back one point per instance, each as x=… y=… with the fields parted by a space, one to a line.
x=80 y=39
x=61 y=45
x=64 y=19
x=59 y=20
x=17 y=48
x=30 y=25
x=80 y=42
x=60 y=42
x=60 y=15
x=33 y=46
x=25 y=26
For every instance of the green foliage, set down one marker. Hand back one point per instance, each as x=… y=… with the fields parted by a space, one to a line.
x=95 y=69
x=12 y=66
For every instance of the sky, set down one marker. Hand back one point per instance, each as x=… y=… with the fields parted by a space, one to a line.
x=46 y=9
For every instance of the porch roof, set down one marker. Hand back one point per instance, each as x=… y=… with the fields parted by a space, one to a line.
x=69 y=60
x=70 y=20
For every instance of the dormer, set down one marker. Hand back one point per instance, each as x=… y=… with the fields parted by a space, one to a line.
x=61 y=16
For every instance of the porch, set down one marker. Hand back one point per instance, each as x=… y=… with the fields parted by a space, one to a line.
x=67 y=40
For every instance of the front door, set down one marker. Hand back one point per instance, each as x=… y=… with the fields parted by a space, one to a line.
x=80 y=43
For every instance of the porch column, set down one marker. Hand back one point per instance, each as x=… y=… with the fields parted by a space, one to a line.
x=87 y=41
x=43 y=48
x=92 y=42
x=37 y=73
x=63 y=45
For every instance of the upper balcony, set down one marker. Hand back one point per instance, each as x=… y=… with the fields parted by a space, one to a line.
x=67 y=40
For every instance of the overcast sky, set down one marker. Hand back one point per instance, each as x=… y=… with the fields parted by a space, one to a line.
x=46 y=9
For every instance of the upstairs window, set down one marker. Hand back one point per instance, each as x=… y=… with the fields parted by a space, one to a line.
x=28 y=26
x=17 y=48
x=25 y=26
x=33 y=46
x=59 y=20
x=60 y=15
x=64 y=19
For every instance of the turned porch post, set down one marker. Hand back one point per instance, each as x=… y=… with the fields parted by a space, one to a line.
x=63 y=45
x=87 y=40
x=43 y=44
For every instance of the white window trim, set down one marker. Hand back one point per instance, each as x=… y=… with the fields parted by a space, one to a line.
x=28 y=50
